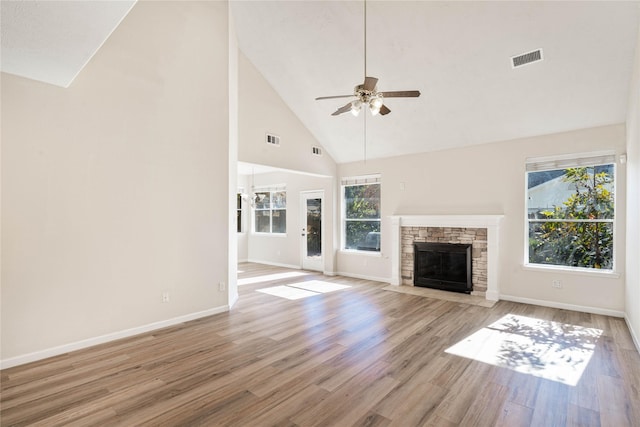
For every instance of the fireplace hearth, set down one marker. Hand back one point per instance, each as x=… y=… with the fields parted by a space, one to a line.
x=445 y=266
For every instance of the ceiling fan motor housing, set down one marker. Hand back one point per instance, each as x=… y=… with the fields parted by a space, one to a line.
x=365 y=95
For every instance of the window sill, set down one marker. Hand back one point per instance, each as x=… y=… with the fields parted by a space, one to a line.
x=607 y=274
x=373 y=254
x=269 y=234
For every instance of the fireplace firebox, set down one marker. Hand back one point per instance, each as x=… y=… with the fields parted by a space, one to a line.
x=445 y=266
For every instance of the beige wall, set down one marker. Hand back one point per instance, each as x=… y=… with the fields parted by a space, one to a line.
x=263 y=111
x=490 y=179
x=633 y=203
x=115 y=190
x=232 y=259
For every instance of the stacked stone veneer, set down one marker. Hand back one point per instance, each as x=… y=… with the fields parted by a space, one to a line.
x=476 y=237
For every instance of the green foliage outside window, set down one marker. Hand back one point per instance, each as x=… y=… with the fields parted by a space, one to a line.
x=579 y=231
x=362 y=217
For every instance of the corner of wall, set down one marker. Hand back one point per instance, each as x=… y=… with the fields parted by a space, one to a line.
x=632 y=276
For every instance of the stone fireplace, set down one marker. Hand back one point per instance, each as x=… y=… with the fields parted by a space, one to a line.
x=479 y=231
x=476 y=237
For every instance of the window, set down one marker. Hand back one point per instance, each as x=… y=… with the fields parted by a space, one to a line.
x=239 y=212
x=361 y=213
x=270 y=211
x=570 y=212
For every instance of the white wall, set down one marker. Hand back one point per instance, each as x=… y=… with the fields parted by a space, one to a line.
x=490 y=179
x=633 y=203
x=115 y=190
x=285 y=250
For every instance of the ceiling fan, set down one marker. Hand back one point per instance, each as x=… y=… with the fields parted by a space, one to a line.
x=367 y=93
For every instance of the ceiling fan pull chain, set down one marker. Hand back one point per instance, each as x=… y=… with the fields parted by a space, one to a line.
x=365 y=138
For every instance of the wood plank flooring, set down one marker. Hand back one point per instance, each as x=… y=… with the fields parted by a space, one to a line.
x=359 y=356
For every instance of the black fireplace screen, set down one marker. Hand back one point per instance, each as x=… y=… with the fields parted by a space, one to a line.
x=445 y=266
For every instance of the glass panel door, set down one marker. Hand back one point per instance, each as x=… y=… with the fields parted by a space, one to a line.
x=312 y=230
x=314 y=225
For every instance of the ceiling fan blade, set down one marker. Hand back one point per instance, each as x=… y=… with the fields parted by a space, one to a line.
x=333 y=97
x=369 y=83
x=402 y=94
x=343 y=109
x=384 y=110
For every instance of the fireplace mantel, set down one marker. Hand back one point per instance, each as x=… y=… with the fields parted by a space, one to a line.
x=490 y=222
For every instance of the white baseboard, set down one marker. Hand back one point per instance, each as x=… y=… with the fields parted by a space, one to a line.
x=362 y=276
x=635 y=337
x=242 y=260
x=275 y=264
x=554 y=304
x=78 y=345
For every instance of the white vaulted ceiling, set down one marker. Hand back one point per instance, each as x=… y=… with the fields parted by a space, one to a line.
x=456 y=53
x=51 y=41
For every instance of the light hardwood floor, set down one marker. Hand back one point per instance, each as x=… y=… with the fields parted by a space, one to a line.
x=356 y=356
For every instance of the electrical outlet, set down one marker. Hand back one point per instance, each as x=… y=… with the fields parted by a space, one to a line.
x=556 y=284
x=221 y=286
x=165 y=297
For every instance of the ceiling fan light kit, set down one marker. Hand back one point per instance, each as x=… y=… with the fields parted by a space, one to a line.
x=363 y=97
x=355 y=107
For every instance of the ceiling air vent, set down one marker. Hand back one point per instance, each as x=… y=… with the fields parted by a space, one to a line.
x=526 y=58
x=273 y=140
x=317 y=151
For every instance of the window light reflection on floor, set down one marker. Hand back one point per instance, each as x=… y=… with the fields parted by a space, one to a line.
x=270 y=277
x=545 y=349
x=300 y=290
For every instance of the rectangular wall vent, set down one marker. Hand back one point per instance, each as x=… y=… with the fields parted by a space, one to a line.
x=526 y=58
x=273 y=139
x=317 y=151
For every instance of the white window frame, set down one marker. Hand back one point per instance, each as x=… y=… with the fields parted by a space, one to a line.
x=537 y=164
x=352 y=181
x=269 y=189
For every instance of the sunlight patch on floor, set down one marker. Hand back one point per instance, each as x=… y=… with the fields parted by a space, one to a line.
x=270 y=277
x=300 y=290
x=545 y=349
x=320 y=286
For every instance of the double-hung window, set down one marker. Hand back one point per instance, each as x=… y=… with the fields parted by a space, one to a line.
x=361 y=213
x=270 y=213
x=571 y=211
